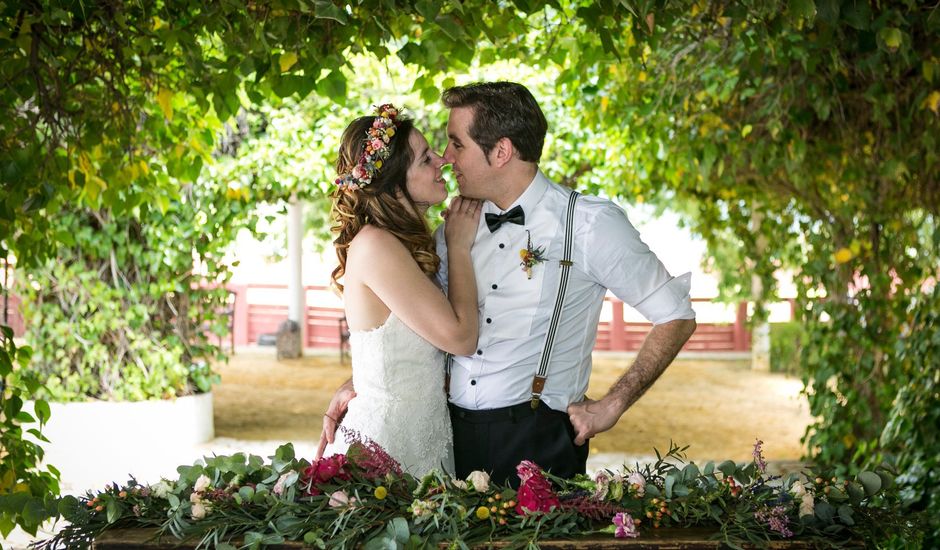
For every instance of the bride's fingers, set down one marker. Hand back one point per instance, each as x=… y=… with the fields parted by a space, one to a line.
x=321 y=447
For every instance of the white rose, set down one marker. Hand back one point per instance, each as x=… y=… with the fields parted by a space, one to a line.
x=479 y=480
x=797 y=489
x=460 y=484
x=160 y=490
x=339 y=498
x=195 y=497
x=202 y=483
x=636 y=478
x=807 y=506
x=198 y=511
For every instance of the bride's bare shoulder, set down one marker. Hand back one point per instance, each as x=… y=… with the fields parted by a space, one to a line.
x=372 y=241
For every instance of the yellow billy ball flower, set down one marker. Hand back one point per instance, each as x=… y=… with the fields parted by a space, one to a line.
x=483 y=512
x=378 y=164
x=381 y=492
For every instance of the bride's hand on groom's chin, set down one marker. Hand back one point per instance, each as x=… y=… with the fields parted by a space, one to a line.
x=590 y=418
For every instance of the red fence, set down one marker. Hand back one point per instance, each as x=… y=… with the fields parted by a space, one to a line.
x=322 y=325
x=253 y=318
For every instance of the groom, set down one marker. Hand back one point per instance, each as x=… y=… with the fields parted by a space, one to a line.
x=495 y=135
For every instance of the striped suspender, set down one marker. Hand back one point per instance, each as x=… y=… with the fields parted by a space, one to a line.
x=538 y=381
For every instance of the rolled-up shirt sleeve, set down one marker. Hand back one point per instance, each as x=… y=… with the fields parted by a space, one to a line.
x=619 y=260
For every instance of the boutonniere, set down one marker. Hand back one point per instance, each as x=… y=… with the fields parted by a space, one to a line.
x=531 y=256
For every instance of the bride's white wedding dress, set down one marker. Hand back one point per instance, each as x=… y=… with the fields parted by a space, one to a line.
x=400 y=402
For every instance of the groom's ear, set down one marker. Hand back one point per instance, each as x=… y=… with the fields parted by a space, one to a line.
x=503 y=152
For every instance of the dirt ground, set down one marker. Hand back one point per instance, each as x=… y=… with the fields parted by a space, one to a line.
x=718 y=408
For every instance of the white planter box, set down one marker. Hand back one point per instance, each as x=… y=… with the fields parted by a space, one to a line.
x=96 y=442
x=181 y=421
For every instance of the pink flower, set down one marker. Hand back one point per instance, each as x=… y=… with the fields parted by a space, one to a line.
x=759 y=456
x=602 y=484
x=625 y=526
x=323 y=471
x=341 y=499
x=535 y=492
x=359 y=171
x=377 y=144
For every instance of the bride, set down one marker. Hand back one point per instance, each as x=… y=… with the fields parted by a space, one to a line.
x=400 y=321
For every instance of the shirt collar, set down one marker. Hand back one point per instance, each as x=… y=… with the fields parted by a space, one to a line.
x=528 y=199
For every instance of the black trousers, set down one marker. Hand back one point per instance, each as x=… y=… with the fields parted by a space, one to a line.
x=497 y=440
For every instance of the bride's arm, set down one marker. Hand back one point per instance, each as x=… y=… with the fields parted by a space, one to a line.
x=334 y=415
x=386 y=267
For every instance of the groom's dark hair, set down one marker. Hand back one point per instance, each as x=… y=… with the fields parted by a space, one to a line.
x=502 y=109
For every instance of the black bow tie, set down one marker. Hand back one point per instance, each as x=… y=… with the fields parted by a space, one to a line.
x=513 y=215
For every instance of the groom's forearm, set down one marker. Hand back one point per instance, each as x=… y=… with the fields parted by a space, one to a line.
x=659 y=348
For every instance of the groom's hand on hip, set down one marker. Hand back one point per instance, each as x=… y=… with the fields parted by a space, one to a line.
x=590 y=418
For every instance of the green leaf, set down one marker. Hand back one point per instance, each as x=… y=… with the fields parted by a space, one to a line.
x=428 y=9
x=328 y=10
x=845 y=514
x=824 y=511
x=871 y=482
x=41 y=407
x=114 y=511
x=727 y=468
x=891 y=37
x=856 y=492
x=802 y=9
x=667 y=486
x=397 y=529
x=380 y=542
x=333 y=86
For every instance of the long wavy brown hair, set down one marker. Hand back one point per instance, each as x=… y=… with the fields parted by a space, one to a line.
x=378 y=203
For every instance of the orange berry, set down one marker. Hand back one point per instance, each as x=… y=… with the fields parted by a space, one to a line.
x=502 y=521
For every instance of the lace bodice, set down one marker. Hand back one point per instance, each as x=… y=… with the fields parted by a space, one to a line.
x=400 y=401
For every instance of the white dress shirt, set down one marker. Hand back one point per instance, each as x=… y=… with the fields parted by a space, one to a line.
x=515 y=311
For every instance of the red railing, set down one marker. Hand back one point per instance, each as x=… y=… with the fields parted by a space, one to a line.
x=255 y=317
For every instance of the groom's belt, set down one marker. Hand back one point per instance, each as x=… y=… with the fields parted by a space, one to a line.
x=512 y=412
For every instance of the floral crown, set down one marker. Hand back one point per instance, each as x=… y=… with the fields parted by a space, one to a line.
x=376 y=151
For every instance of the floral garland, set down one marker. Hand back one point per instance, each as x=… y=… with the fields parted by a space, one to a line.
x=376 y=151
x=363 y=498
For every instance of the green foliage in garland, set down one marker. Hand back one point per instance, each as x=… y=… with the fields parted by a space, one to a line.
x=362 y=498
x=798 y=135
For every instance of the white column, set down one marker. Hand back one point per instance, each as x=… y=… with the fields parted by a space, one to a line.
x=296 y=306
x=760 y=335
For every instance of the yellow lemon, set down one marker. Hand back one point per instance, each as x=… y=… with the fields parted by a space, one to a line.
x=483 y=512
x=381 y=492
